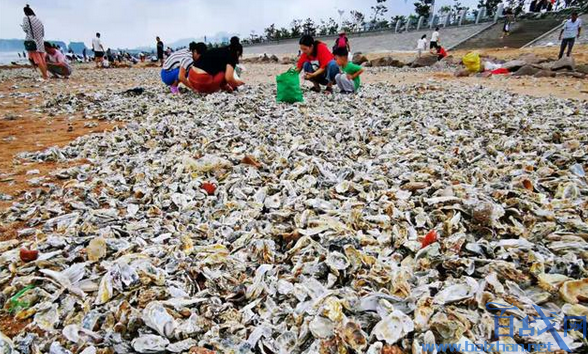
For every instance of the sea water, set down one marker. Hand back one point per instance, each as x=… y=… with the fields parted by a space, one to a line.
x=9 y=57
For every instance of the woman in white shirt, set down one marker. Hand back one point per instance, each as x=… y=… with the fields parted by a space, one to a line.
x=422 y=44
x=34 y=30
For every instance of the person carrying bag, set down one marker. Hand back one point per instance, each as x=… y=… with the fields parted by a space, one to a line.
x=34 y=43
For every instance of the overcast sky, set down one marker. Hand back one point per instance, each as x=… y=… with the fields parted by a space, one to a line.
x=133 y=23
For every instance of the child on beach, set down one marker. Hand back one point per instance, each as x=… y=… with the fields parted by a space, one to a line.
x=347 y=80
x=422 y=44
x=441 y=52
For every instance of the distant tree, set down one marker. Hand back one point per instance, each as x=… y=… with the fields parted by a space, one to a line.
x=254 y=37
x=309 y=27
x=445 y=9
x=347 y=26
x=323 y=28
x=296 y=28
x=283 y=33
x=378 y=10
x=457 y=6
x=397 y=18
x=357 y=20
x=394 y=20
x=270 y=32
x=332 y=26
x=457 y=9
x=422 y=8
x=489 y=5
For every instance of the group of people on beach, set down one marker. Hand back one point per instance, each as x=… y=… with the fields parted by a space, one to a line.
x=203 y=70
x=206 y=70
x=46 y=56
x=434 y=46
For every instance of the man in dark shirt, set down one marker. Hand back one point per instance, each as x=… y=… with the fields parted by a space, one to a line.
x=159 y=51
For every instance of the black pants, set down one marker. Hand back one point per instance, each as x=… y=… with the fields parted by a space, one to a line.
x=566 y=42
x=433 y=45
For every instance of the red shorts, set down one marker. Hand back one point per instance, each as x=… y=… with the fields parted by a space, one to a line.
x=37 y=57
x=206 y=83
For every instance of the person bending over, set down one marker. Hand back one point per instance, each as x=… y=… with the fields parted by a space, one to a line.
x=176 y=67
x=56 y=62
x=315 y=51
x=441 y=52
x=215 y=70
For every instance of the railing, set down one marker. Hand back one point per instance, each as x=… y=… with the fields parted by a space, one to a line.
x=444 y=20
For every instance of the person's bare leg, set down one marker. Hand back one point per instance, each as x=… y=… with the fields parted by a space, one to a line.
x=43 y=68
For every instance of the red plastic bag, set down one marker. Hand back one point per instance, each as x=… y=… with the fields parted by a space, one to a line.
x=501 y=71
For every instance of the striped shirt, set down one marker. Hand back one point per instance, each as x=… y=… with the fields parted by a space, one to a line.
x=36 y=33
x=181 y=58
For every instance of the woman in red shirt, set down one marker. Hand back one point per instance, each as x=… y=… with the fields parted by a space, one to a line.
x=316 y=52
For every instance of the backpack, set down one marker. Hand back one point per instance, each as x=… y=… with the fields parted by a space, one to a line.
x=342 y=42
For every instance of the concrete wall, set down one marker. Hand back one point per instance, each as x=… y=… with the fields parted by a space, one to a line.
x=387 y=41
x=521 y=33
x=553 y=37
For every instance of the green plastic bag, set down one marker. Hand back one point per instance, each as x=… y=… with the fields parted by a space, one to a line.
x=289 y=87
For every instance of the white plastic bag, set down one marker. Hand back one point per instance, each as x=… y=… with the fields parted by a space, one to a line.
x=489 y=66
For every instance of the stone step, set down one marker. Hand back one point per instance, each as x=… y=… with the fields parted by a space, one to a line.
x=521 y=33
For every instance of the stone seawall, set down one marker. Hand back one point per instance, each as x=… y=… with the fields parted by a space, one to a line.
x=376 y=43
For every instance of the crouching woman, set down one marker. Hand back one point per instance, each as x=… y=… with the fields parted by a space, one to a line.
x=316 y=51
x=215 y=70
x=57 y=64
